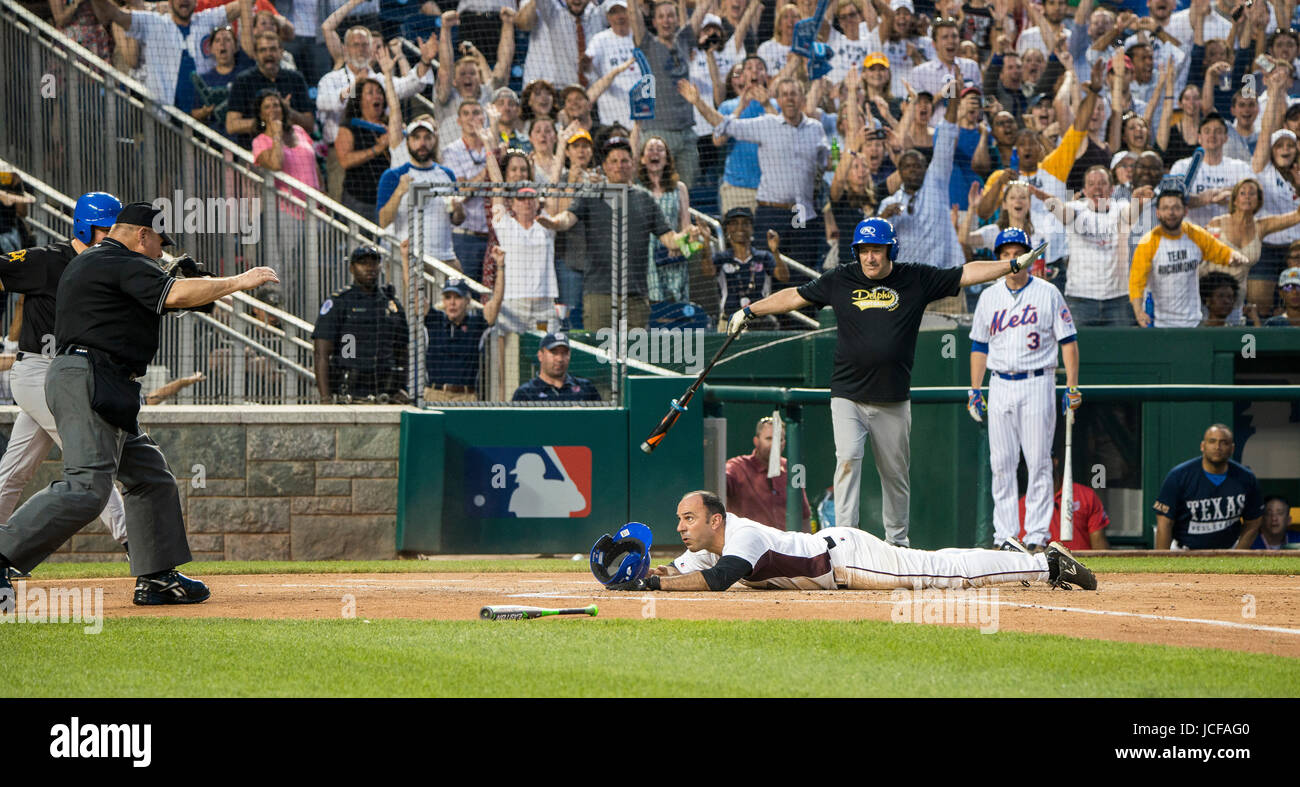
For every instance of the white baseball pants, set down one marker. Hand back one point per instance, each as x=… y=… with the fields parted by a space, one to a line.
x=1022 y=419
x=33 y=433
x=861 y=561
x=889 y=425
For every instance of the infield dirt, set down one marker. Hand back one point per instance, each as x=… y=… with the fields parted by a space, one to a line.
x=1256 y=613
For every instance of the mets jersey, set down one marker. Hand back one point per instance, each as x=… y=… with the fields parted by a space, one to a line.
x=1166 y=264
x=1208 y=509
x=781 y=560
x=1021 y=328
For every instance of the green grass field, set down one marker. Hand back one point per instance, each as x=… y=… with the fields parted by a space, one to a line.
x=583 y=658
x=590 y=657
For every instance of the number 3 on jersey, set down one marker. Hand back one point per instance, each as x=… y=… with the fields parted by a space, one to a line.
x=1033 y=340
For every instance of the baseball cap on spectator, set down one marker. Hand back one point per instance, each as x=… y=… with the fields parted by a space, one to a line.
x=894 y=5
x=1128 y=63
x=457 y=286
x=711 y=19
x=205 y=46
x=1281 y=133
x=1289 y=276
x=1210 y=118
x=966 y=91
x=740 y=212
x=555 y=340
x=505 y=92
x=1120 y=156
x=424 y=122
x=578 y=136
x=875 y=59
x=610 y=5
x=878 y=133
x=527 y=192
x=142 y=214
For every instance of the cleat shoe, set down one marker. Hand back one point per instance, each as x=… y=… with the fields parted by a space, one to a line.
x=15 y=573
x=6 y=592
x=170 y=587
x=1065 y=572
x=1035 y=549
x=1014 y=544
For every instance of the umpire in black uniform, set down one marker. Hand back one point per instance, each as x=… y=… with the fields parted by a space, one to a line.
x=110 y=301
x=361 y=337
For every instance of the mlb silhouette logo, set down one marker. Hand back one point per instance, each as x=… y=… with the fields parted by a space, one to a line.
x=528 y=482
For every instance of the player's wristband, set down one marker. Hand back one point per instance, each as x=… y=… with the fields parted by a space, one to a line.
x=748 y=312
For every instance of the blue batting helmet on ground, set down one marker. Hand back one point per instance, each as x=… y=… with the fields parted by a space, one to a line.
x=622 y=557
x=1011 y=235
x=94 y=209
x=875 y=232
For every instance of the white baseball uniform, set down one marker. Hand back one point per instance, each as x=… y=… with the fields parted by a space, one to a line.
x=848 y=558
x=1020 y=331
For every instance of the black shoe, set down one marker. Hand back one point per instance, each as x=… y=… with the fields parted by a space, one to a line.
x=1064 y=571
x=1014 y=544
x=6 y=592
x=127 y=549
x=15 y=573
x=171 y=587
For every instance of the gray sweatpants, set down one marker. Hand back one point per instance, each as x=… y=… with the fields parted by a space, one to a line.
x=94 y=452
x=889 y=425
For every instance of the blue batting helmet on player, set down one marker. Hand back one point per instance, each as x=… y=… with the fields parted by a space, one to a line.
x=622 y=557
x=1011 y=235
x=875 y=232
x=94 y=209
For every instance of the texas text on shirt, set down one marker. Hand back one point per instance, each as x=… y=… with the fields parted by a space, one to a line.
x=1208 y=510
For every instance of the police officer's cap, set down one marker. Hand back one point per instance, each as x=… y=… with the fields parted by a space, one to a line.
x=457 y=286
x=142 y=214
x=365 y=252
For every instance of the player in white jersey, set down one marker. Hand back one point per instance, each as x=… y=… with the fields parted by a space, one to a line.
x=723 y=549
x=1018 y=324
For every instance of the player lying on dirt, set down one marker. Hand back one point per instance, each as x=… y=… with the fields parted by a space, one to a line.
x=723 y=549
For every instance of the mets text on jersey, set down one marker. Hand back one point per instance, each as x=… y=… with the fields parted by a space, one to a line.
x=533 y=481
x=876 y=298
x=1000 y=321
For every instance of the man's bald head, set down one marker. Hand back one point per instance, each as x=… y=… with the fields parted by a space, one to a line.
x=1223 y=428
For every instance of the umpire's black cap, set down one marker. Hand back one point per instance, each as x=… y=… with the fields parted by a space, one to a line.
x=142 y=214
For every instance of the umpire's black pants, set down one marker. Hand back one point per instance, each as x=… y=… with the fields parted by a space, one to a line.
x=94 y=453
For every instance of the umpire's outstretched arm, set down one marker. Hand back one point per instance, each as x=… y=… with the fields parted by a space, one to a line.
x=188 y=293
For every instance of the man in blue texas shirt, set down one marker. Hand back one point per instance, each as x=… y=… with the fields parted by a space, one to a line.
x=1209 y=502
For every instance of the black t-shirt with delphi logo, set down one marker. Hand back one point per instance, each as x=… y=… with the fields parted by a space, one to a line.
x=878 y=320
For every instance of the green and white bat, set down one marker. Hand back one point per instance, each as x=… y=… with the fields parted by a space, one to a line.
x=506 y=612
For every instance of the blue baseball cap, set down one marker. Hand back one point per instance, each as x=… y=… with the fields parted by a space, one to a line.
x=457 y=286
x=555 y=340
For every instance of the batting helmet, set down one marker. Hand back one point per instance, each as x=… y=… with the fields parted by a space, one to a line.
x=94 y=209
x=623 y=557
x=875 y=232
x=1011 y=235
x=1172 y=185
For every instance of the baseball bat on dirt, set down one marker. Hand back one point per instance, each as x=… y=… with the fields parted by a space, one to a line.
x=1067 y=482
x=507 y=612
x=678 y=406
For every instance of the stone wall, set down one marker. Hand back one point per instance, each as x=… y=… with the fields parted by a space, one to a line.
x=266 y=483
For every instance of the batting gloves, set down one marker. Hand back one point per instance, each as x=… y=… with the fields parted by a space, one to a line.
x=738 y=321
x=1071 y=399
x=975 y=405
x=636 y=585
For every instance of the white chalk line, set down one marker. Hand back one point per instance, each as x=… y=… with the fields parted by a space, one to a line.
x=1080 y=610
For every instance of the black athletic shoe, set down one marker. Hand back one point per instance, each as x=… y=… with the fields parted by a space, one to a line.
x=6 y=592
x=1014 y=544
x=1065 y=572
x=17 y=574
x=172 y=587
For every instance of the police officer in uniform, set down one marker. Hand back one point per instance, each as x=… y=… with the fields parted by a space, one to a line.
x=110 y=303
x=455 y=340
x=35 y=273
x=361 y=337
x=553 y=382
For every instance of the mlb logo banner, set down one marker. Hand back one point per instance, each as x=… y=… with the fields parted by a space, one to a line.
x=528 y=482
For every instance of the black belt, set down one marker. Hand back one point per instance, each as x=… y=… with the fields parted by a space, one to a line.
x=85 y=352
